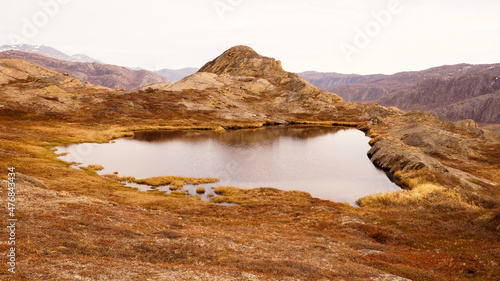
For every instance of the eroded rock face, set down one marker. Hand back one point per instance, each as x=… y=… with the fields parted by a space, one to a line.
x=467 y=123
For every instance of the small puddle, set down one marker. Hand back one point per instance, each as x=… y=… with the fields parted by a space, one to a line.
x=327 y=162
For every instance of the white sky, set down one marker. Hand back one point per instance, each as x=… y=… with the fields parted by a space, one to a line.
x=303 y=34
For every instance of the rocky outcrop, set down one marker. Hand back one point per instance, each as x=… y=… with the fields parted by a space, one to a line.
x=421 y=141
x=106 y=75
x=244 y=61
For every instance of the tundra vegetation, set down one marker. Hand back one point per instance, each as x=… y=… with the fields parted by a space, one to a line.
x=75 y=224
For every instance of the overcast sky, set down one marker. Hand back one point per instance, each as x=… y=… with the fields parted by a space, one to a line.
x=346 y=36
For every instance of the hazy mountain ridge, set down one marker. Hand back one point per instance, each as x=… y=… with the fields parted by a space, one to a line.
x=175 y=75
x=449 y=91
x=466 y=96
x=326 y=80
x=107 y=75
x=363 y=85
x=48 y=52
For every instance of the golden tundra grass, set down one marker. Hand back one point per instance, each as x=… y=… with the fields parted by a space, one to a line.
x=175 y=181
x=269 y=233
x=424 y=190
x=96 y=167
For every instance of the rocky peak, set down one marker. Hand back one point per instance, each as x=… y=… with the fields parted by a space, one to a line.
x=244 y=61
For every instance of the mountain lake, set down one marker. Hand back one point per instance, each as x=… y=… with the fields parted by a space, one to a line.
x=327 y=162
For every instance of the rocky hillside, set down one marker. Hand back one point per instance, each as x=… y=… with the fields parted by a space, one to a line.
x=26 y=88
x=467 y=96
x=106 y=75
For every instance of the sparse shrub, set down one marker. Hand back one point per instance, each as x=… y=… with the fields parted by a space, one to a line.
x=200 y=190
x=379 y=235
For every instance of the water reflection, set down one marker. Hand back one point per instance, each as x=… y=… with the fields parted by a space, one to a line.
x=328 y=162
x=238 y=137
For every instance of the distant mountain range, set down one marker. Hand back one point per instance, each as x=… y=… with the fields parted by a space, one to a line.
x=453 y=92
x=177 y=74
x=107 y=75
x=48 y=52
x=472 y=96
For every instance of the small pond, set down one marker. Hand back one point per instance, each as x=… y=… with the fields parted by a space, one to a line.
x=327 y=162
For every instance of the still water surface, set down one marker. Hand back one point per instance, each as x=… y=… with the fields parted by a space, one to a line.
x=327 y=162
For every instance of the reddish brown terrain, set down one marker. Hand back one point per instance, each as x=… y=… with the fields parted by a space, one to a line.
x=76 y=225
